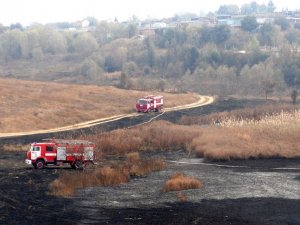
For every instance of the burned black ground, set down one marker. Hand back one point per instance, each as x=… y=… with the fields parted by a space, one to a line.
x=261 y=193
x=255 y=191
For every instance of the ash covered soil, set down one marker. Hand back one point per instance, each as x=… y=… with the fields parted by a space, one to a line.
x=256 y=191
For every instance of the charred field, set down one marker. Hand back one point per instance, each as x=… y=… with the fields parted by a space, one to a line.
x=254 y=191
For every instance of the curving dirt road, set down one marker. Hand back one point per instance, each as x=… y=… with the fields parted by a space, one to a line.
x=203 y=100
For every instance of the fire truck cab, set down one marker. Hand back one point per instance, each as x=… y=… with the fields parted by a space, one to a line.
x=77 y=153
x=150 y=103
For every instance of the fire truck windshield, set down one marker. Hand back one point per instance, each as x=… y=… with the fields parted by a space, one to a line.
x=35 y=148
x=143 y=102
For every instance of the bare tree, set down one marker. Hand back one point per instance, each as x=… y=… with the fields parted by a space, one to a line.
x=268 y=86
x=294 y=96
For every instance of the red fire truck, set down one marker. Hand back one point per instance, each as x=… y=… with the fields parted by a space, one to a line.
x=77 y=153
x=149 y=103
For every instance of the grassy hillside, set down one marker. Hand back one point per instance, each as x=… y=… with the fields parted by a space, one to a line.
x=33 y=105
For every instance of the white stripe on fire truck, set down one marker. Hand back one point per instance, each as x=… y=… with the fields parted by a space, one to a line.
x=50 y=154
x=72 y=154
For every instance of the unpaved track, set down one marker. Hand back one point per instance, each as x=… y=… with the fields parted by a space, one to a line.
x=203 y=100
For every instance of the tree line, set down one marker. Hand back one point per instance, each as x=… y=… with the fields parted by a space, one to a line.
x=211 y=59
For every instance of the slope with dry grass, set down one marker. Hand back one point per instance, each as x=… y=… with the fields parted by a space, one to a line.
x=33 y=105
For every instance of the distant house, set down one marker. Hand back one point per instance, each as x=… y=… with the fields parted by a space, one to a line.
x=233 y=21
x=86 y=26
x=293 y=19
x=72 y=29
x=148 y=28
x=159 y=25
x=85 y=23
x=264 y=19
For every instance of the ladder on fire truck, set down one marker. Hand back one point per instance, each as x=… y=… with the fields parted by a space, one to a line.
x=68 y=141
x=81 y=150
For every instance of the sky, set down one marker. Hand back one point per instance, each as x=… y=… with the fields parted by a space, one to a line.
x=51 y=11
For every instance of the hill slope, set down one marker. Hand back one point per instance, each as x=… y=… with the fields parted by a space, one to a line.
x=33 y=105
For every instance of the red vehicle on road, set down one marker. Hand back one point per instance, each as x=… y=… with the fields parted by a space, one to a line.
x=77 y=153
x=150 y=103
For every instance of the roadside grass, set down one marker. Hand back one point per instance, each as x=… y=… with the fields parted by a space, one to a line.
x=179 y=181
x=68 y=181
x=35 y=105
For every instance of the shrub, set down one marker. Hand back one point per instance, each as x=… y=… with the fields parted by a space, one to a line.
x=68 y=182
x=180 y=181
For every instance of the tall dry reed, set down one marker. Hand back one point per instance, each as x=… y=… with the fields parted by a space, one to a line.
x=159 y=135
x=274 y=135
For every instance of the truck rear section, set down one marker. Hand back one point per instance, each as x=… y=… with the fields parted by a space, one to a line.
x=149 y=104
x=76 y=153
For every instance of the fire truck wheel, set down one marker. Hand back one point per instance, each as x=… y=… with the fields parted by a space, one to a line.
x=78 y=165
x=40 y=164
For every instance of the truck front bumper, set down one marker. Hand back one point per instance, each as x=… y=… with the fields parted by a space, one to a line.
x=28 y=161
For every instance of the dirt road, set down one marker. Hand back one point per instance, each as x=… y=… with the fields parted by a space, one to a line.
x=203 y=100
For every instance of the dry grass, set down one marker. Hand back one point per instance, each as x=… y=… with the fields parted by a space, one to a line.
x=180 y=181
x=139 y=167
x=33 y=105
x=158 y=136
x=14 y=147
x=271 y=136
x=255 y=113
x=68 y=182
x=264 y=136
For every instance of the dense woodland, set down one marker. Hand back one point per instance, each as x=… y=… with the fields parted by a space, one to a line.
x=253 y=59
